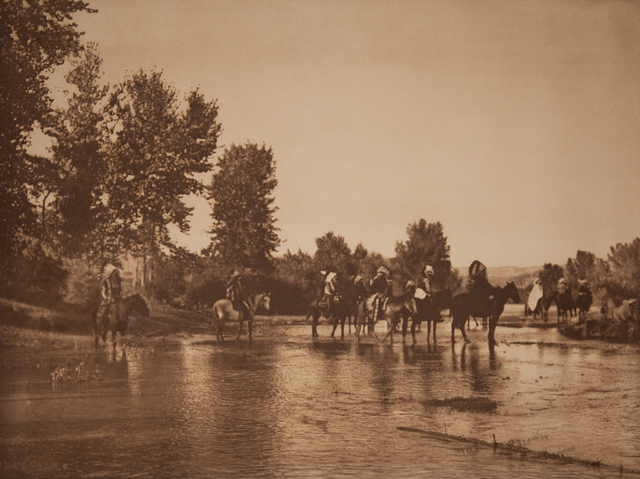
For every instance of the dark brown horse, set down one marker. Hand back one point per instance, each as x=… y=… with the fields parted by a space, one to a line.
x=583 y=303
x=427 y=310
x=320 y=308
x=353 y=292
x=116 y=319
x=463 y=305
x=565 y=305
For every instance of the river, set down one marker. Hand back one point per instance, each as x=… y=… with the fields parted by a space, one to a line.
x=287 y=405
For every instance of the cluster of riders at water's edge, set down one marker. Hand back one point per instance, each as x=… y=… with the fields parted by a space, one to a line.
x=540 y=301
x=353 y=301
x=342 y=299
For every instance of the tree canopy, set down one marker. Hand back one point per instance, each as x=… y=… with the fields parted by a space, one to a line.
x=153 y=160
x=243 y=211
x=36 y=37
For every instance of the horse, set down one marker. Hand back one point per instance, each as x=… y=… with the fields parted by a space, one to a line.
x=353 y=292
x=318 y=308
x=427 y=310
x=463 y=305
x=117 y=318
x=565 y=305
x=542 y=308
x=223 y=311
x=583 y=303
x=396 y=309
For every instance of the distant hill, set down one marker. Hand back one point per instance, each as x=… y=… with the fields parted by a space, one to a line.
x=523 y=276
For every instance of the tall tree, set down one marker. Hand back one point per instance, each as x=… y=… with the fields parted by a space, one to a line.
x=581 y=267
x=71 y=180
x=154 y=159
x=36 y=37
x=367 y=263
x=426 y=243
x=333 y=253
x=624 y=277
x=243 y=211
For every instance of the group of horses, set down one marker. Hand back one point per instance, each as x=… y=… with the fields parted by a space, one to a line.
x=116 y=318
x=567 y=307
x=354 y=305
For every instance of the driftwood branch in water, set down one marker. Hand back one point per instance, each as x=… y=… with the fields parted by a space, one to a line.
x=510 y=448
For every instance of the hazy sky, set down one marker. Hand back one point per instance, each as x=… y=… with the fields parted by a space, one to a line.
x=516 y=124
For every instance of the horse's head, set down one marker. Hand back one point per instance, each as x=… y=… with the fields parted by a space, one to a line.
x=512 y=292
x=139 y=305
x=265 y=302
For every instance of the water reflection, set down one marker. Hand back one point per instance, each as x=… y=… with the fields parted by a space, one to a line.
x=291 y=406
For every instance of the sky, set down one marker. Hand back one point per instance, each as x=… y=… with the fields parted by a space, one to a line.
x=515 y=124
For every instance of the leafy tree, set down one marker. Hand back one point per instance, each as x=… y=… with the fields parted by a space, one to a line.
x=581 y=267
x=299 y=280
x=73 y=176
x=426 y=243
x=549 y=276
x=623 y=280
x=297 y=268
x=367 y=263
x=35 y=38
x=333 y=253
x=153 y=160
x=241 y=192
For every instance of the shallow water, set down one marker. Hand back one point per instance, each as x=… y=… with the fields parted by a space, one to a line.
x=290 y=406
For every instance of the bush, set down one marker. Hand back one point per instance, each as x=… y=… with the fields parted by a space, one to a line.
x=33 y=276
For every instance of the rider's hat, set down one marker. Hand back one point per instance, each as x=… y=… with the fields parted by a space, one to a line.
x=384 y=270
x=428 y=271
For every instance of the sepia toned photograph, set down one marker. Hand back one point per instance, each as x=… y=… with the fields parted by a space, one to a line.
x=320 y=239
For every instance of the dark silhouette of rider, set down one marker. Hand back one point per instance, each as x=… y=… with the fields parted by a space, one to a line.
x=478 y=286
x=110 y=290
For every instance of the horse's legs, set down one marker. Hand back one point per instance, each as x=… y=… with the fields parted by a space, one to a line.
x=414 y=325
x=314 y=324
x=434 y=329
x=250 y=327
x=219 y=330
x=493 y=321
x=429 y=329
x=335 y=326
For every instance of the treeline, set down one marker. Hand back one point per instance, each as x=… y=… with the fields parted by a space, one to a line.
x=295 y=279
x=122 y=160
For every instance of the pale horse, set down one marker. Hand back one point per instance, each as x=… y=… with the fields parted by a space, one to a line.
x=223 y=311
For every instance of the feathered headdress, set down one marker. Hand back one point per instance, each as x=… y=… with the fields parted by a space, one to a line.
x=106 y=272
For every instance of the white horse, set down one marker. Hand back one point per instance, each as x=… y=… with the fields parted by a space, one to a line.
x=223 y=311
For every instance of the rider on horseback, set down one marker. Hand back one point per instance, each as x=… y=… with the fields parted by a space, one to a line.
x=381 y=287
x=329 y=292
x=236 y=293
x=423 y=299
x=110 y=290
x=478 y=286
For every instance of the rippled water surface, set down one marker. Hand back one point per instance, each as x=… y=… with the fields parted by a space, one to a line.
x=291 y=406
